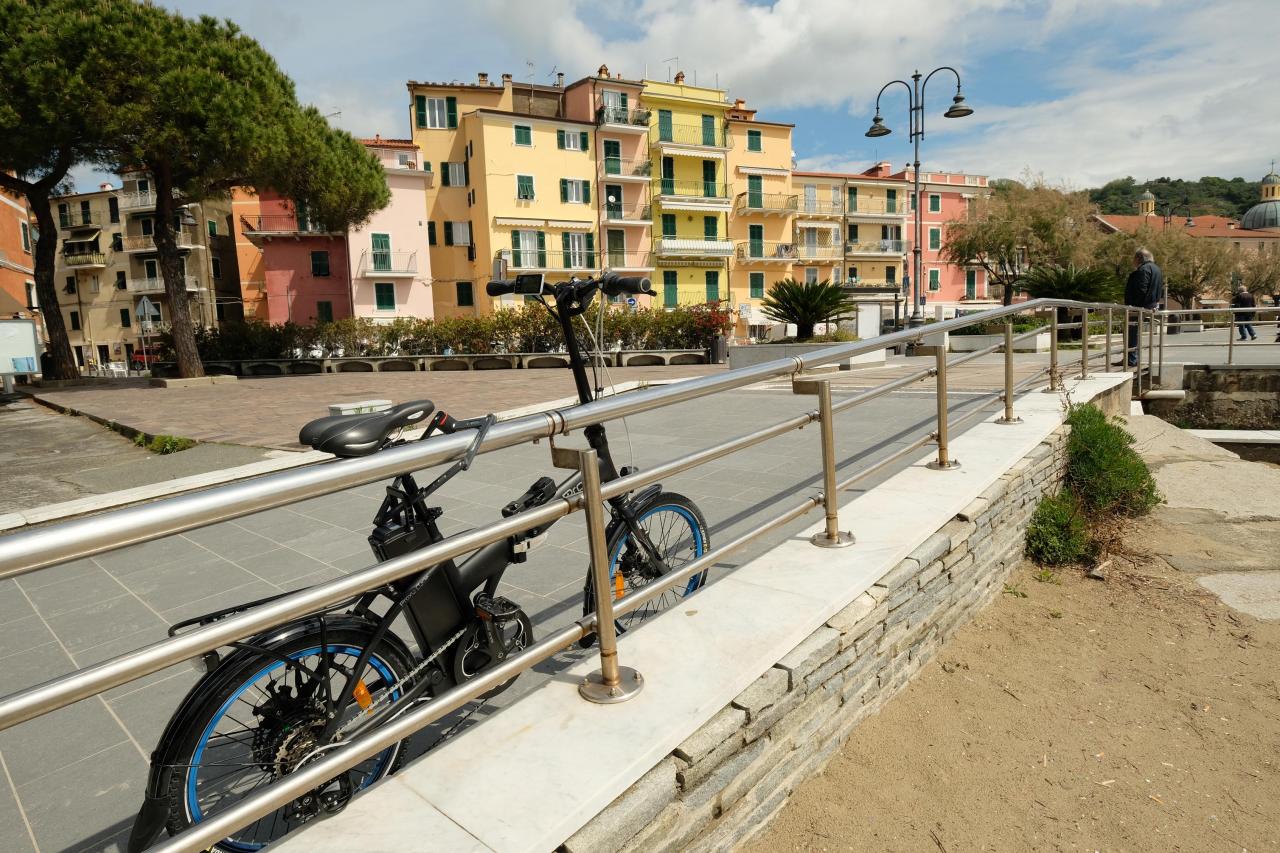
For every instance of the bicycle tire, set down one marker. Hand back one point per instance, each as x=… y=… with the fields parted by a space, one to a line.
x=684 y=517
x=389 y=663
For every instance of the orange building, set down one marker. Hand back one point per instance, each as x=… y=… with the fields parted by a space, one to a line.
x=17 y=259
x=246 y=207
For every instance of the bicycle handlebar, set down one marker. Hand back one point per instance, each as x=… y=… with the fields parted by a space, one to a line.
x=610 y=283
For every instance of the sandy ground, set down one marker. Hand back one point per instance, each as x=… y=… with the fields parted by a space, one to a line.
x=1138 y=713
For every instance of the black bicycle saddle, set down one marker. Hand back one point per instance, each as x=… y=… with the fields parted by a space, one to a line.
x=362 y=434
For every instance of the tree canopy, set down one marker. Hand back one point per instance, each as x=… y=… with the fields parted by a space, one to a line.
x=1209 y=195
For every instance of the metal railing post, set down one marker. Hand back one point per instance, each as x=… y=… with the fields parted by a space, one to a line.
x=944 y=462
x=613 y=683
x=1151 y=345
x=1084 y=343
x=1008 y=417
x=831 y=537
x=1231 y=338
x=1164 y=322
x=1137 y=368
x=1107 y=363
x=1055 y=381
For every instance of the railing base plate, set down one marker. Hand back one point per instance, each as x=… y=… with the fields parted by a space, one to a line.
x=843 y=540
x=1009 y=421
x=949 y=465
x=593 y=688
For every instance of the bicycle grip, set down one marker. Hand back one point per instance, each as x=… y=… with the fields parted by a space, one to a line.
x=500 y=287
x=636 y=285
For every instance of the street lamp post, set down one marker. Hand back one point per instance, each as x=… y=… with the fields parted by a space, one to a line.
x=915 y=103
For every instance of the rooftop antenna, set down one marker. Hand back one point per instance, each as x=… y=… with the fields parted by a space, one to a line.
x=674 y=59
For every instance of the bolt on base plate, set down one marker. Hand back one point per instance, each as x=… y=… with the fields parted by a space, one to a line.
x=593 y=688
x=949 y=465
x=1013 y=420
x=843 y=539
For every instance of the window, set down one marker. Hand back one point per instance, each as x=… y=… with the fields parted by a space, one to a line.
x=147 y=226
x=853 y=199
x=71 y=284
x=457 y=234
x=465 y=297
x=853 y=232
x=668 y=225
x=891 y=275
x=75 y=321
x=220 y=311
x=575 y=191
x=151 y=269
x=709 y=189
x=935 y=203
x=454 y=174
x=578 y=249
x=320 y=263
x=970 y=284
x=125 y=319
x=121 y=282
x=212 y=225
x=324 y=311
x=708 y=130
x=890 y=201
x=755 y=192
x=32 y=300
x=913 y=202
x=216 y=265
x=524 y=135
x=435 y=112
x=853 y=273
x=26 y=237
x=935 y=239
x=670 y=289
x=710 y=227
x=757 y=285
x=664 y=125
x=935 y=279
x=755 y=141
x=384 y=295
x=755 y=241
x=524 y=187
x=713 y=285
x=431 y=233
x=113 y=208
x=117 y=242
x=528 y=249
x=144 y=187
x=810 y=275
x=570 y=141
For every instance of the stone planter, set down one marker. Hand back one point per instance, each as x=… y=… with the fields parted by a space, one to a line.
x=745 y=356
x=972 y=343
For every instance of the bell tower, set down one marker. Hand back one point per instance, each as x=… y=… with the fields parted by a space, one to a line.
x=1147 y=204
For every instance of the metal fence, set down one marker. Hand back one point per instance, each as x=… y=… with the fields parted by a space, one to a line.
x=36 y=549
x=1227 y=321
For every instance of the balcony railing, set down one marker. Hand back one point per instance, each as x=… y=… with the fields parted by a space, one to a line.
x=877 y=207
x=147 y=242
x=70 y=220
x=617 y=115
x=634 y=212
x=692 y=189
x=628 y=260
x=84 y=259
x=693 y=134
x=279 y=223
x=156 y=285
x=876 y=247
x=819 y=251
x=551 y=259
x=749 y=202
x=374 y=263
x=764 y=250
x=679 y=247
x=817 y=207
x=617 y=167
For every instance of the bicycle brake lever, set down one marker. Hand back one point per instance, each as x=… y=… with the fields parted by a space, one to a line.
x=481 y=432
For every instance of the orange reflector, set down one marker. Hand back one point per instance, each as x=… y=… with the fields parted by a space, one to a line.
x=363 y=699
x=618 y=584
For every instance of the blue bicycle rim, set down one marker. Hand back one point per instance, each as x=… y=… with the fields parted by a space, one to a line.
x=698 y=545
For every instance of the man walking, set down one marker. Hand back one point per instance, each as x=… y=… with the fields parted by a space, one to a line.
x=1144 y=289
x=1244 y=319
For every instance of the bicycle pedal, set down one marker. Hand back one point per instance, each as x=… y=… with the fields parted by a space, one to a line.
x=497 y=608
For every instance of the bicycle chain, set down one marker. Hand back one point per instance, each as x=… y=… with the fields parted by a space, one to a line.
x=386 y=697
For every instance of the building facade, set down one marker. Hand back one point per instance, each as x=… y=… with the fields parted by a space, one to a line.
x=17 y=260
x=945 y=197
x=246 y=208
x=107 y=264
x=305 y=269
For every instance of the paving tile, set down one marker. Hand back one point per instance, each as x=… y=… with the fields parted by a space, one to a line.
x=56 y=599
x=35 y=666
x=114 y=648
x=100 y=793
x=272 y=523
x=281 y=566
x=13 y=604
x=230 y=540
x=325 y=574
x=325 y=541
x=13 y=829
x=171 y=586
x=146 y=711
x=58 y=573
x=251 y=591
x=342 y=511
x=103 y=621
x=40 y=746
x=150 y=555
x=19 y=635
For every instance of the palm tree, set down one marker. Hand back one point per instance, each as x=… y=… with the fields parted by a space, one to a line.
x=806 y=304
x=1083 y=284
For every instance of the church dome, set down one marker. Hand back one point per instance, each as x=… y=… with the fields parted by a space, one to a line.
x=1147 y=196
x=1271 y=179
x=1264 y=215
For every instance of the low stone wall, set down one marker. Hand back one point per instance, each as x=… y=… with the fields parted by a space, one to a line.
x=727 y=780
x=1225 y=397
x=748 y=355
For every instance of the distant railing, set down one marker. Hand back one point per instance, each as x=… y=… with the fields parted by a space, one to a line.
x=876 y=247
x=875 y=206
x=821 y=208
x=819 y=251
x=764 y=250
x=626 y=168
x=147 y=242
x=374 y=263
x=714 y=136
x=636 y=211
x=136 y=200
x=766 y=202
x=279 y=223
x=617 y=115
x=552 y=259
x=73 y=218
x=681 y=247
x=84 y=259
x=691 y=189
x=156 y=285
x=615 y=260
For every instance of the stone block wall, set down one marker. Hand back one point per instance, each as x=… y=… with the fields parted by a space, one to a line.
x=725 y=782
x=1225 y=397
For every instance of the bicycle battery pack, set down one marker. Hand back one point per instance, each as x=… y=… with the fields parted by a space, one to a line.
x=434 y=608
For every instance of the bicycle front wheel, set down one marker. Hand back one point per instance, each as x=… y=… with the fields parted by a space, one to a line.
x=675 y=527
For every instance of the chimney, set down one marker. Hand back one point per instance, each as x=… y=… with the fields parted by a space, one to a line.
x=506 y=79
x=679 y=78
x=104 y=187
x=482 y=79
x=603 y=71
x=560 y=79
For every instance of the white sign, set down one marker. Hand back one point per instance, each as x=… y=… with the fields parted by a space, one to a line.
x=19 y=347
x=146 y=309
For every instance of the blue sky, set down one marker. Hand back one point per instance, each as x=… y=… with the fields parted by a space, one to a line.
x=1079 y=91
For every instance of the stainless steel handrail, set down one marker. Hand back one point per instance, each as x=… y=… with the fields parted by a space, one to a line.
x=29 y=551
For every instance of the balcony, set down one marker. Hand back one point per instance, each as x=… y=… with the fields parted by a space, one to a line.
x=763 y=252
x=147 y=242
x=156 y=285
x=679 y=247
x=617 y=118
x=617 y=169
x=692 y=195
x=635 y=213
x=878 y=208
x=137 y=201
x=552 y=260
x=628 y=261
x=877 y=247
x=815 y=207
x=278 y=225
x=766 y=204
x=84 y=260
x=696 y=135
x=79 y=220
x=376 y=264
x=819 y=251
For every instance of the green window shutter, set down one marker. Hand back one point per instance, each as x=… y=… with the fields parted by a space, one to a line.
x=713 y=285
x=708 y=130
x=754 y=141
x=542 y=249
x=564 y=246
x=584 y=142
x=664 y=125
x=935 y=239
x=465 y=296
x=559 y=138
x=757 y=285
x=444 y=173
x=431 y=233
x=853 y=199
x=853 y=232
x=710 y=229
x=448 y=233
x=451 y=107
x=668 y=225
x=564 y=189
x=935 y=203
x=670 y=289
x=385 y=295
x=420 y=110
x=586 y=192
x=466 y=173
x=622 y=101
x=891 y=201
x=755 y=193
x=591 y=250
x=516 y=259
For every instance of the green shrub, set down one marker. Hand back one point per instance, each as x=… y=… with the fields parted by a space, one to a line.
x=1103 y=470
x=1058 y=534
x=164 y=444
x=996 y=327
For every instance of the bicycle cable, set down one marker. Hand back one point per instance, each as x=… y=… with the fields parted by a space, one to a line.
x=608 y=378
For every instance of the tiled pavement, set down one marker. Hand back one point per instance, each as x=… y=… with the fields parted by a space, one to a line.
x=75 y=777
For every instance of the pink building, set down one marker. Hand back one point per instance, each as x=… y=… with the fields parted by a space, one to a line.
x=945 y=197
x=305 y=268
x=390 y=264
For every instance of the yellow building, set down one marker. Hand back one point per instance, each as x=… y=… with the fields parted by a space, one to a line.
x=689 y=144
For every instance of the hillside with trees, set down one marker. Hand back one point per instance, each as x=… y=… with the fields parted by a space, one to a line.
x=1207 y=196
